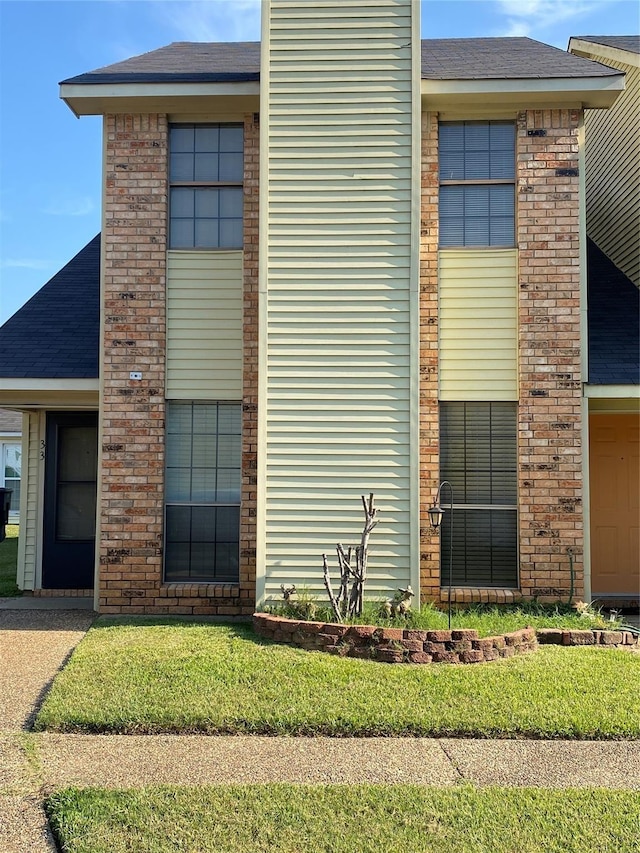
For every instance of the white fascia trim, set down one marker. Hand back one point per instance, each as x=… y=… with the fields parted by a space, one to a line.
x=77 y=93
x=30 y=384
x=594 y=92
x=601 y=52
x=612 y=392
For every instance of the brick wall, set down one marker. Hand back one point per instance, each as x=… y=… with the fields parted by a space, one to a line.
x=549 y=439
x=133 y=412
x=429 y=427
x=250 y=368
x=549 y=428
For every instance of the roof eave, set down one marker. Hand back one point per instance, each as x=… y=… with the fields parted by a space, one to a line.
x=32 y=393
x=602 y=52
x=587 y=92
x=102 y=98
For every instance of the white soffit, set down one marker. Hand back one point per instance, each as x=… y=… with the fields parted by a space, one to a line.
x=604 y=392
x=600 y=52
x=49 y=393
x=575 y=92
x=103 y=98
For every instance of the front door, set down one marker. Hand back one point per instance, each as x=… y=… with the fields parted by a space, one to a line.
x=71 y=465
x=615 y=510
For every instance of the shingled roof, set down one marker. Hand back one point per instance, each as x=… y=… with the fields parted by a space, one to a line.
x=55 y=335
x=442 y=59
x=629 y=43
x=614 y=322
x=502 y=58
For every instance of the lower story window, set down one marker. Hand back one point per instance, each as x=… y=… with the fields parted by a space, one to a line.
x=11 y=459
x=478 y=456
x=202 y=512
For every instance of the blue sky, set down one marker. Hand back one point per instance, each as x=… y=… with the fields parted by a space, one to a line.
x=50 y=161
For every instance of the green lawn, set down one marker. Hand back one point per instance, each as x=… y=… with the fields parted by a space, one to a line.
x=344 y=819
x=167 y=676
x=8 y=561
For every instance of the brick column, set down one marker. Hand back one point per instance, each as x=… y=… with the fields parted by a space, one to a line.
x=549 y=429
x=250 y=367
x=429 y=426
x=132 y=412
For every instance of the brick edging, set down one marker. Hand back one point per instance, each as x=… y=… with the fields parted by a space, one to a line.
x=589 y=637
x=394 y=645
x=410 y=645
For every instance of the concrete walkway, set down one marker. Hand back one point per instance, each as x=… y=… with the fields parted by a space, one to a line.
x=34 y=644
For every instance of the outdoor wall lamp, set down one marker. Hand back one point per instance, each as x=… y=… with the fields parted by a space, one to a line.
x=436 y=514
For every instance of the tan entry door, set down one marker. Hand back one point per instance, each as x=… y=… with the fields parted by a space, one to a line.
x=615 y=508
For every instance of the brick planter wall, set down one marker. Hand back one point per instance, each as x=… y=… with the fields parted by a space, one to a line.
x=394 y=645
x=592 y=637
x=411 y=645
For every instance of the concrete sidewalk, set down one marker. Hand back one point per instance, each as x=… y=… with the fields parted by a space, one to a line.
x=34 y=644
x=133 y=760
x=46 y=602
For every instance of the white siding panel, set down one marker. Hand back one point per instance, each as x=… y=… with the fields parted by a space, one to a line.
x=613 y=174
x=337 y=288
x=29 y=509
x=478 y=324
x=204 y=325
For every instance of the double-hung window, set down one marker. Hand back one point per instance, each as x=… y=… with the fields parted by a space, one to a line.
x=10 y=457
x=477 y=183
x=206 y=166
x=478 y=457
x=203 y=477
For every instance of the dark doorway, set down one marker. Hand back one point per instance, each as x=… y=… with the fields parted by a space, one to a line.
x=70 y=489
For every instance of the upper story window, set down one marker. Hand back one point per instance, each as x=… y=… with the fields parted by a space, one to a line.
x=477 y=183
x=205 y=172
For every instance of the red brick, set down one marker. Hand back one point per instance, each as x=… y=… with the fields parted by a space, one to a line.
x=472 y=656
x=419 y=657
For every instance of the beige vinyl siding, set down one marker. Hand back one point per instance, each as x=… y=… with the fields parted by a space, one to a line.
x=204 y=325
x=337 y=288
x=613 y=175
x=29 y=503
x=478 y=323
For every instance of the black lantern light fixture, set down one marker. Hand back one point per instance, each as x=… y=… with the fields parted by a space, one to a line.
x=436 y=514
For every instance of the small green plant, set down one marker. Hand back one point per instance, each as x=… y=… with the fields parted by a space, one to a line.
x=298 y=604
x=593 y=616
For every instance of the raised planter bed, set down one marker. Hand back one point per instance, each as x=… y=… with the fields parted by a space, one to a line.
x=411 y=645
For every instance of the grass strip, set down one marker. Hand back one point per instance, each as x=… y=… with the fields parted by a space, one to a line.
x=344 y=818
x=8 y=562
x=487 y=619
x=221 y=679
